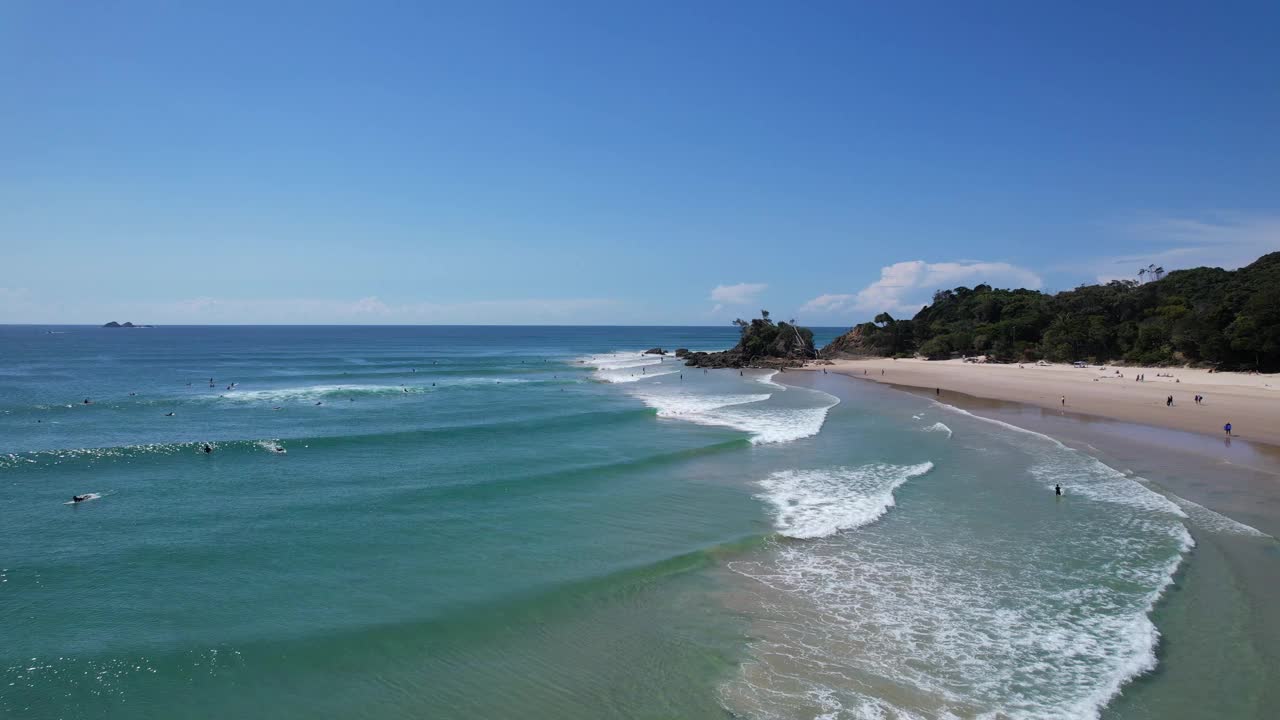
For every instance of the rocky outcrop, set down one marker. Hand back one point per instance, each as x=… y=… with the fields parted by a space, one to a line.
x=849 y=346
x=114 y=324
x=763 y=343
x=681 y=352
x=655 y=351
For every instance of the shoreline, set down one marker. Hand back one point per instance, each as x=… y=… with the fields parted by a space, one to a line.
x=1251 y=403
x=1220 y=601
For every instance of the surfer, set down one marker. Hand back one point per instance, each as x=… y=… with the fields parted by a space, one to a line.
x=1057 y=489
x=168 y=414
x=279 y=449
x=319 y=402
x=87 y=401
x=207 y=448
x=79 y=498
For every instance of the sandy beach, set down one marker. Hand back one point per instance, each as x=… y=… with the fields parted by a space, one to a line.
x=1251 y=403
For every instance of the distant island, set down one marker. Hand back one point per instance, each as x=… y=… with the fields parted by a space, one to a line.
x=1226 y=319
x=114 y=324
x=763 y=343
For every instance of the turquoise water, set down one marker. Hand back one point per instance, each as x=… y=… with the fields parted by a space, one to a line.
x=542 y=523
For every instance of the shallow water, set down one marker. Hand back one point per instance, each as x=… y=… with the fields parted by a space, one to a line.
x=542 y=522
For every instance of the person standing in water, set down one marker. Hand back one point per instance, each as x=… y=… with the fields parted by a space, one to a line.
x=1057 y=490
x=1227 y=429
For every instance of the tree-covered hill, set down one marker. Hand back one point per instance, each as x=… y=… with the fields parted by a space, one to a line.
x=1204 y=315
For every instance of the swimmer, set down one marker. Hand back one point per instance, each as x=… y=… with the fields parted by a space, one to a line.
x=207 y=448
x=276 y=407
x=168 y=414
x=87 y=401
x=319 y=402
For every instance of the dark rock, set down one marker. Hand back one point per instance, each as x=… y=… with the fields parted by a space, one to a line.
x=681 y=352
x=112 y=324
x=763 y=344
x=655 y=351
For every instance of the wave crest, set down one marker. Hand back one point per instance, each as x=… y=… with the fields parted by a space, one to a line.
x=818 y=503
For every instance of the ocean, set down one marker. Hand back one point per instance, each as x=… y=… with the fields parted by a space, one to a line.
x=542 y=522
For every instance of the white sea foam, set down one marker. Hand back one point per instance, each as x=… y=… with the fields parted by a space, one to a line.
x=1212 y=521
x=767 y=379
x=630 y=366
x=688 y=405
x=945 y=632
x=1082 y=474
x=817 y=503
x=929 y=617
x=767 y=423
x=939 y=427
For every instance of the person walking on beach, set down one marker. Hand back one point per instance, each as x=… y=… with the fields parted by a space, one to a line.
x=1168 y=401
x=1064 y=401
x=937 y=391
x=1227 y=428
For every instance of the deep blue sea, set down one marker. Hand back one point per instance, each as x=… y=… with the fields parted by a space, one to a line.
x=541 y=522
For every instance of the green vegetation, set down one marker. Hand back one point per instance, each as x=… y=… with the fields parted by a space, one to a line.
x=1212 y=316
x=762 y=343
x=763 y=337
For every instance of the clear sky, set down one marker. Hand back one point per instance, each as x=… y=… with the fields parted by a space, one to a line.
x=611 y=162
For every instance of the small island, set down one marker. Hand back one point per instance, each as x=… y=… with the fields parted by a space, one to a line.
x=763 y=343
x=114 y=324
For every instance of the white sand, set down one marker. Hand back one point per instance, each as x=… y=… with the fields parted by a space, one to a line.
x=1251 y=403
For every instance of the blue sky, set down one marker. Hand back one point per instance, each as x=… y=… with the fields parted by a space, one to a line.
x=651 y=163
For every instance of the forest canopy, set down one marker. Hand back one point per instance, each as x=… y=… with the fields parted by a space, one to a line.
x=1203 y=316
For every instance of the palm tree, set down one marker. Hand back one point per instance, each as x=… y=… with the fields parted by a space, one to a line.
x=1159 y=272
x=1141 y=272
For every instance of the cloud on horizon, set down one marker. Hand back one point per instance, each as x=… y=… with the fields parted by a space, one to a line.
x=905 y=286
x=739 y=294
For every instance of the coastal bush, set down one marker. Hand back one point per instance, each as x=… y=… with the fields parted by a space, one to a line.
x=1225 y=318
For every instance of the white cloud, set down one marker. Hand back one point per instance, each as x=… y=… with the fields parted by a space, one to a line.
x=739 y=294
x=830 y=303
x=904 y=287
